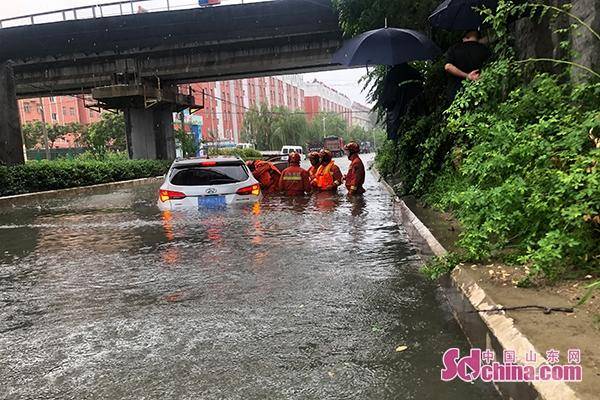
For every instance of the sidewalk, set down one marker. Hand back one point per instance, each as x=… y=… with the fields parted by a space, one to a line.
x=486 y=286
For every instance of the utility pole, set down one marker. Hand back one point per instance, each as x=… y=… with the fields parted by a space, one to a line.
x=44 y=129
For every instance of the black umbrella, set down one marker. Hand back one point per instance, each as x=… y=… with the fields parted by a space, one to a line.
x=386 y=46
x=460 y=14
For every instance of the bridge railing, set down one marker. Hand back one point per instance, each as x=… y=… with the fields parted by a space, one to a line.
x=117 y=8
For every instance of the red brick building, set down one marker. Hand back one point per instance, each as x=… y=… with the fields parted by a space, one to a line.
x=321 y=98
x=58 y=110
x=225 y=104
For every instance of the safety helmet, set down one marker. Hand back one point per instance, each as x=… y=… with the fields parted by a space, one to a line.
x=294 y=158
x=325 y=155
x=313 y=155
x=352 y=148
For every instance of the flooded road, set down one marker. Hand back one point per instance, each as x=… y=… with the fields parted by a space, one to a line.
x=104 y=297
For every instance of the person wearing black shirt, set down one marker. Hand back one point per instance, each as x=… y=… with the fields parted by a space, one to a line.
x=464 y=61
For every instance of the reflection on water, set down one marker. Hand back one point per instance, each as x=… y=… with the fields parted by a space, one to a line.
x=104 y=296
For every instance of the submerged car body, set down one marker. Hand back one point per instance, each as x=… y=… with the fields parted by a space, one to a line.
x=206 y=183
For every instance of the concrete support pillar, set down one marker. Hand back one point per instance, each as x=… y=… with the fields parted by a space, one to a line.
x=150 y=133
x=11 y=141
x=164 y=133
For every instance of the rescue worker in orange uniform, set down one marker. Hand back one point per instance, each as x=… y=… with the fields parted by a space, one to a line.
x=266 y=174
x=328 y=176
x=294 y=180
x=355 y=178
x=315 y=161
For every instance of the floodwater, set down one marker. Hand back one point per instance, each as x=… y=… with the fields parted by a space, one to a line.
x=104 y=297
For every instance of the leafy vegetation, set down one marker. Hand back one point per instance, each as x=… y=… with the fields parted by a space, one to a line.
x=189 y=147
x=33 y=133
x=272 y=129
x=358 y=16
x=108 y=134
x=514 y=157
x=60 y=174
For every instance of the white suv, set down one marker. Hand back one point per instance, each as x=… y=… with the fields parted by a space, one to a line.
x=206 y=183
x=286 y=150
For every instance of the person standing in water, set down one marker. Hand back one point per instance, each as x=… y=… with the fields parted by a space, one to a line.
x=355 y=178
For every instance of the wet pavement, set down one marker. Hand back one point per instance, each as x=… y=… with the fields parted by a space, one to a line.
x=103 y=296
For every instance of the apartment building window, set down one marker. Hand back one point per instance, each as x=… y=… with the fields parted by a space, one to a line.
x=52 y=99
x=64 y=110
x=26 y=108
x=72 y=111
x=54 y=117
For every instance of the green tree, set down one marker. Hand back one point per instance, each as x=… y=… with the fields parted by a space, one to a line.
x=32 y=134
x=328 y=124
x=358 y=134
x=357 y=16
x=188 y=144
x=289 y=128
x=258 y=127
x=106 y=134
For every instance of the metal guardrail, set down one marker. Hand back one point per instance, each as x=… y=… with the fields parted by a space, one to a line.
x=118 y=8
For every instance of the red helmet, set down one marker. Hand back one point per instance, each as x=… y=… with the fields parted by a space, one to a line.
x=294 y=158
x=352 y=148
x=315 y=158
x=314 y=155
x=325 y=155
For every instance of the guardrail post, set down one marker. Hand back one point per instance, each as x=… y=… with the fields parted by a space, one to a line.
x=94 y=11
x=168 y=6
x=131 y=3
x=32 y=20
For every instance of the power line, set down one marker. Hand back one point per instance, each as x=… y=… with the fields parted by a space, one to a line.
x=272 y=112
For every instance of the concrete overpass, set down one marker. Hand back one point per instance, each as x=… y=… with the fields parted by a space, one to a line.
x=127 y=60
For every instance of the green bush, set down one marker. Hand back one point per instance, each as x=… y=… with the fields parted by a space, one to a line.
x=41 y=176
x=108 y=156
x=527 y=186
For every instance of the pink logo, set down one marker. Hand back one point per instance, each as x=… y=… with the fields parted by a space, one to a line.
x=481 y=365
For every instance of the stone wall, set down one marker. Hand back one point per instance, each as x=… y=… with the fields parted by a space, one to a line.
x=539 y=40
x=585 y=45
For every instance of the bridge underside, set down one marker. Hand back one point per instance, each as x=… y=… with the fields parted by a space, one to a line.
x=197 y=65
x=203 y=44
x=167 y=48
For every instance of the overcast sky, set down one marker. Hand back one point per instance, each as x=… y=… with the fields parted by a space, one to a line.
x=345 y=81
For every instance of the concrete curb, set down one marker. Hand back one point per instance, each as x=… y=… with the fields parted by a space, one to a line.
x=20 y=198
x=496 y=331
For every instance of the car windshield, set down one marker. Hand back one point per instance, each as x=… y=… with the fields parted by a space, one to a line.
x=206 y=176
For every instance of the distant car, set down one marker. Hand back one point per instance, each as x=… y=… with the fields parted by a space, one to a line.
x=205 y=183
x=285 y=150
